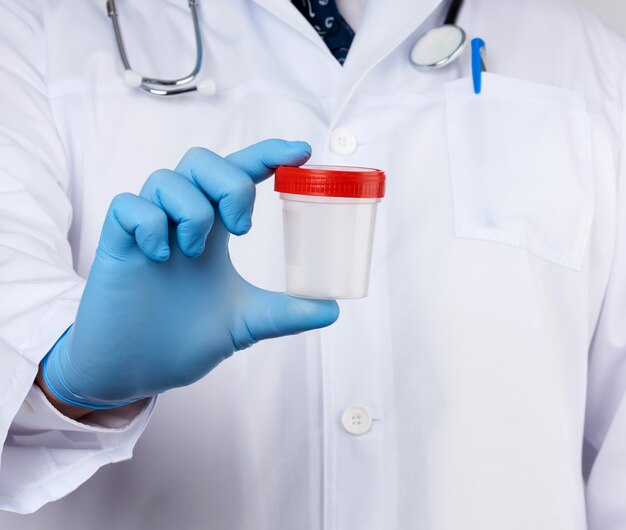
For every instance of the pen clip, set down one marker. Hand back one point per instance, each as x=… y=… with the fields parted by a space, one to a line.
x=478 y=63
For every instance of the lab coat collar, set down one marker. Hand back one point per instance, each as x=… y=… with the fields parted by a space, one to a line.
x=384 y=26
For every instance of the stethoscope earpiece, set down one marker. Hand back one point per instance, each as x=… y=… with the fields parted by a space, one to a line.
x=206 y=87
x=132 y=79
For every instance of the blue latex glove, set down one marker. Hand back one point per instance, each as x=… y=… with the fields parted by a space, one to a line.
x=159 y=313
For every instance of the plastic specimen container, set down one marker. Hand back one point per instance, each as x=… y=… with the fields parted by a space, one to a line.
x=329 y=215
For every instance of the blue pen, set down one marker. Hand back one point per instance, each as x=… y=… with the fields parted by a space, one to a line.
x=478 y=63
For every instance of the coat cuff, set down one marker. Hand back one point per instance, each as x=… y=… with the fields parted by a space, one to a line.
x=37 y=413
x=47 y=455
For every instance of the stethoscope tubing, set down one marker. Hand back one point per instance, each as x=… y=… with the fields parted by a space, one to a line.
x=159 y=87
x=172 y=87
x=453 y=12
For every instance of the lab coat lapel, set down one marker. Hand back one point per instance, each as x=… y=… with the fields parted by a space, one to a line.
x=384 y=26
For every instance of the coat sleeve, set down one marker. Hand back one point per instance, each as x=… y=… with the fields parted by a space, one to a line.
x=43 y=455
x=605 y=434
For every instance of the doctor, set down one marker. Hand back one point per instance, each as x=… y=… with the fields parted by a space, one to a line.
x=481 y=385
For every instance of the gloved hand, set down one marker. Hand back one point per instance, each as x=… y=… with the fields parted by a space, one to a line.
x=159 y=313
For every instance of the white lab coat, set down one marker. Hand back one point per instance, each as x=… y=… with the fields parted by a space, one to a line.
x=492 y=347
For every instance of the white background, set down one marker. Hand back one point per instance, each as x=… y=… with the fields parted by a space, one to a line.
x=613 y=12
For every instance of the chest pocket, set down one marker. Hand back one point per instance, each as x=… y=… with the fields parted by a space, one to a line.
x=521 y=165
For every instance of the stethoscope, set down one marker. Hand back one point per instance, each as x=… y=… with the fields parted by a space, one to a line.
x=439 y=47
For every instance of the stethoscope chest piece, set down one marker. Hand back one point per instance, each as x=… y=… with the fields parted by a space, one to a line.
x=439 y=47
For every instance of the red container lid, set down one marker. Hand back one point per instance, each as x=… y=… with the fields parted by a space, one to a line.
x=331 y=181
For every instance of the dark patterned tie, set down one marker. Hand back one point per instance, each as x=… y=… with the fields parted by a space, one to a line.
x=328 y=22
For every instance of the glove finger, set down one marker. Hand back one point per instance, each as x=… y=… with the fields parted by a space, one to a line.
x=185 y=205
x=132 y=221
x=224 y=183
x=277 y=314
x=261 y=159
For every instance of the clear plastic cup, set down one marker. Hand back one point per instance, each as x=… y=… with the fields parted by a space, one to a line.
x=329 y=215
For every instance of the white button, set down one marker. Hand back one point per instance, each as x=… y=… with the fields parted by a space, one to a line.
x=206 y=87
x=343 y=142
x=132 y=79
x=356 y=420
